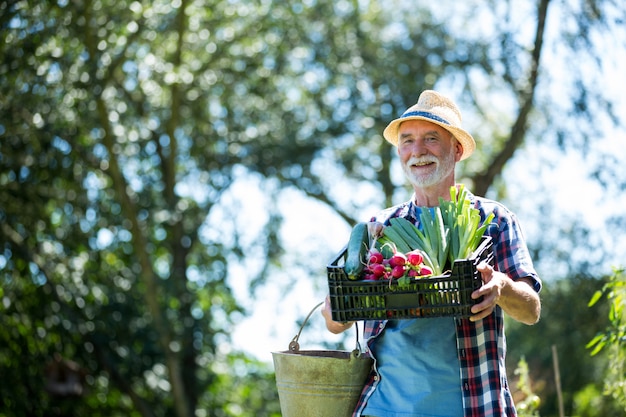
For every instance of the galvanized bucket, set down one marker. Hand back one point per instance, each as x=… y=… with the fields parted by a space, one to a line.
x=319 y=383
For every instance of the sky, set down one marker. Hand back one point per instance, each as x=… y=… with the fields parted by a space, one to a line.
x=273 y=323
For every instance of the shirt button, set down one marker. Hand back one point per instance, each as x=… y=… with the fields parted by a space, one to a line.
x=466 y=386
x=376 y=378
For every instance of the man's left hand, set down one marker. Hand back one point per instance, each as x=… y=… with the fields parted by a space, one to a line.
x=491 y=290
x=516 y=297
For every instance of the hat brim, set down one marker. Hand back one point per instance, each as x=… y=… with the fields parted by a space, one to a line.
x=465 y=139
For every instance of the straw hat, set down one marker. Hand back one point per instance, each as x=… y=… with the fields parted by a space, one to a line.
x=438 y=109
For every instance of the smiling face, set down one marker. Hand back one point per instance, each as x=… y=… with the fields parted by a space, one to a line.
x=428 y=154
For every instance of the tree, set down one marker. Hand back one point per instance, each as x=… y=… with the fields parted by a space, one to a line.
x=104 y=256
x=121 y=131
x=124 y=126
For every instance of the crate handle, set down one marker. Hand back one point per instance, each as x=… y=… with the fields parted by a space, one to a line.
x=294 y=346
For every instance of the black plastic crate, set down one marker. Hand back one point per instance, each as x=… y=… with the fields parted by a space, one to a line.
x=440 y=296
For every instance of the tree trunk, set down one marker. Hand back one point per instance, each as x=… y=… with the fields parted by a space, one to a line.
x=482 y=181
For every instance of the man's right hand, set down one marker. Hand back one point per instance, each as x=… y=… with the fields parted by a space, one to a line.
x=334 y=326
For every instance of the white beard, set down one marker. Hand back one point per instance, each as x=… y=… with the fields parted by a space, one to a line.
x=443 y=168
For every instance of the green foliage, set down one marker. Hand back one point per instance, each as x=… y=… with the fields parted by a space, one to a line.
x=567 y=323
x=528 y=406
x=591 y=401
x=613 y=337
x=245 y=388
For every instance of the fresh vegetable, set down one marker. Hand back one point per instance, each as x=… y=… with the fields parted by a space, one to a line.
x=400 y=266
x=376 y=257
x=448 y=232
x=357 y=250
x=435 y=236
x=415 y=257
x=406 y=238
x=464 y=224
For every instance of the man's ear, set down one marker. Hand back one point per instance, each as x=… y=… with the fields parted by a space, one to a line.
x=458 y=150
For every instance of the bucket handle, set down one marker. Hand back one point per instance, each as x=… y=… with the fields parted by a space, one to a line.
x=294 y=346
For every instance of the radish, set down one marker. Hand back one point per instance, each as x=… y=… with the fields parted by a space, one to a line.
x=399 y=259
x=375 y=257
x=370 y=277
x=415 y=258
x=398 y=271
x=424 y=270
x=378 y=270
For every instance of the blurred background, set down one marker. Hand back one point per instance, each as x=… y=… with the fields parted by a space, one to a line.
x=176 y=175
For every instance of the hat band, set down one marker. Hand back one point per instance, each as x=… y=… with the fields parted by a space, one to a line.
x=427 y=115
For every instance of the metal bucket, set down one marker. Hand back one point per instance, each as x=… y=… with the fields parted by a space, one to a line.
x=319 y=383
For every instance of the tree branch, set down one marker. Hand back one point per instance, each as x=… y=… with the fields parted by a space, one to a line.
x=482 y=181
x=121 y=189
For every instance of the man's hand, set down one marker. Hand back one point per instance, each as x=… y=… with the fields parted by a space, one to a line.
x=334 y=326
x=517 y=298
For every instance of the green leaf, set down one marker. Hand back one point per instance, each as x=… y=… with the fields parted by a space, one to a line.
x=596 y=296
x=594 y=341
x=598 y=348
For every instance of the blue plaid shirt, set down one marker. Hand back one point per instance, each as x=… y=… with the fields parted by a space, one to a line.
x=481 y=345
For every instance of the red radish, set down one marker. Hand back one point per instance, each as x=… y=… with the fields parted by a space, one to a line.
x=414 y=272
x=370 y=277
x=375 y=257
x=398 y=271
x=398 y=259
x=378 y=270
x=424 y=270
x=415 y=258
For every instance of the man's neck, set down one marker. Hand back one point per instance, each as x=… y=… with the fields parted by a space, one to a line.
x=429 y=196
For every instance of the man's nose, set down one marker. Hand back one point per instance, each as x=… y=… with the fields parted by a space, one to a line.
x=419 y=148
